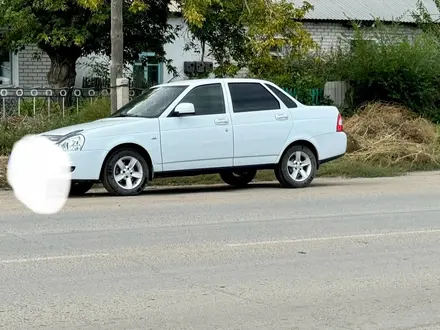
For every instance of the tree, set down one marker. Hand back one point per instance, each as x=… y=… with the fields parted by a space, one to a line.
x=234 y=30
x=221 y=36
x=422 y=14
x=68 y=29
x=279 y=39
x=239 y=33
x=425 y=19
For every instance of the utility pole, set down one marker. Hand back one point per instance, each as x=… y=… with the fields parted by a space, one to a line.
x=117 y=49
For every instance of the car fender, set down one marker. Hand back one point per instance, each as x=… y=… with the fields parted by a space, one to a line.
x=291 y=140
x=150 y=142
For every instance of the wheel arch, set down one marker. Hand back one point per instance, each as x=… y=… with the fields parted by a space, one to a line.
x=306 y=143
x=144 y=153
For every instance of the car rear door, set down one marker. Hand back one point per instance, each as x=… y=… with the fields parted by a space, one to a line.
x=261 y=123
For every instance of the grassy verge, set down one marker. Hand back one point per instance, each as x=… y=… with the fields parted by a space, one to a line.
x=15 y=128
x=339 y=168
x=384 y=140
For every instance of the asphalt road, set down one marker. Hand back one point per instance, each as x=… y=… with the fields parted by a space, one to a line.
x=342 y=254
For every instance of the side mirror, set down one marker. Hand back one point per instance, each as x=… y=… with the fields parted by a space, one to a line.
x=185 y=109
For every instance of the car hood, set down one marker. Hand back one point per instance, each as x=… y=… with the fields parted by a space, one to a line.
x=59 y=133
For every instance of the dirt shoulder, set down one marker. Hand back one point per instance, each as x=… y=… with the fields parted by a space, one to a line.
x=340 y=168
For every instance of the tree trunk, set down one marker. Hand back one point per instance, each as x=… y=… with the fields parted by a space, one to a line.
x=62 y=72
x=202 y=57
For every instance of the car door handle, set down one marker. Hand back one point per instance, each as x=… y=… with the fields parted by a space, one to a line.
x=281 y=116
x=221 y=121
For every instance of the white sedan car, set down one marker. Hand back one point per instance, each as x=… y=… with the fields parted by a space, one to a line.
x=233 y=127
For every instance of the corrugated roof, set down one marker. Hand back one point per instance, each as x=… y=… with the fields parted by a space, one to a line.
x=362 y=10
x=366 y=10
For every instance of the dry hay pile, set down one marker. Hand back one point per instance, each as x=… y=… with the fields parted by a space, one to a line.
x=385 y=134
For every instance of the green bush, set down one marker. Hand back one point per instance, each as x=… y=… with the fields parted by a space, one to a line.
x=397 y=68
x=301 y=73
x=14 y=128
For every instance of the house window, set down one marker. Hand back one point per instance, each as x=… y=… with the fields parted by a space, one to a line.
x=147 y=71
x=5 y=68
x=275 y=52
x=278 y=51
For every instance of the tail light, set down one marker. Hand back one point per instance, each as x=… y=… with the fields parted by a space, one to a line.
x=339 y=124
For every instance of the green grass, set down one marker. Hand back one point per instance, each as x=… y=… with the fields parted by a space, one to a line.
x=349 y=169
x=339 y=168
x=13 y=129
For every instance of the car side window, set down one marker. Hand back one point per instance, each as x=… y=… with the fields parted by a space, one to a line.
x=252 y=97
x=288 y=102
x=207 y=99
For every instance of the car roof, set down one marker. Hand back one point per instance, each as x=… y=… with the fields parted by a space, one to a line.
x=196 y=82
x=199 y=82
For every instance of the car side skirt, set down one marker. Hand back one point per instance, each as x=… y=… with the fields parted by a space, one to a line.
x=217 y=170
x=213 y=170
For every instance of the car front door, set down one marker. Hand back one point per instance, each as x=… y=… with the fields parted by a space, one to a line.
x=261 y=123
x=201 y=140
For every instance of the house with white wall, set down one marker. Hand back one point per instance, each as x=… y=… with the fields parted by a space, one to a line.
x=330 y=21
x=327 y=23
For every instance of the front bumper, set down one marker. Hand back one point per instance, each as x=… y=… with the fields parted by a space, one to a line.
x=86 y=164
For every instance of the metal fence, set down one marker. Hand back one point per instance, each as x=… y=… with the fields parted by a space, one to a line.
x=313 y=96
x=99 y=83
x=48 y=101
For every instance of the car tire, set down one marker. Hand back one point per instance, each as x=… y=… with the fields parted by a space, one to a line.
x=277 y=175
x=79 y=188
x=119 y=173
x=297 y=167
x=238 y=178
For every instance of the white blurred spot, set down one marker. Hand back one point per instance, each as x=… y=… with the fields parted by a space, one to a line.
x=39 y=174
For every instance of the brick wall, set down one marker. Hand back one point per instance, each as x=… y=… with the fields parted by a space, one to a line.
x=329 y=34
x=32 y=72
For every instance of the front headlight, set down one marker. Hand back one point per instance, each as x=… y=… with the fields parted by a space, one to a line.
x=73 y=143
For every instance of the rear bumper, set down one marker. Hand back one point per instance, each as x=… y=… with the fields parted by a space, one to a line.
x=86 y=165
x=331 y=146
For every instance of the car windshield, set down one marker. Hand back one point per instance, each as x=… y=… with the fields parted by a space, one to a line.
x=152 y=103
